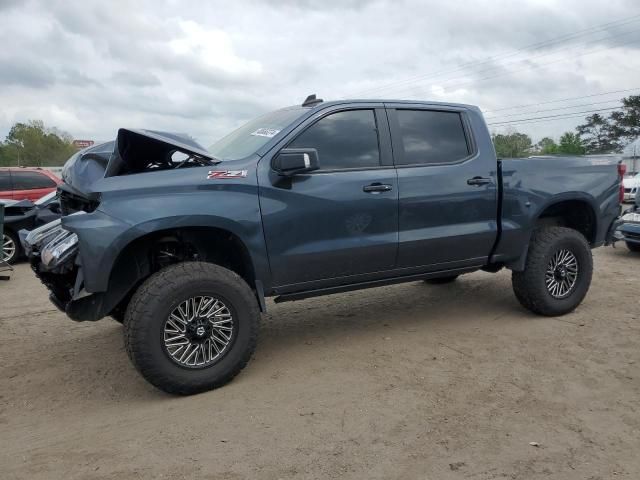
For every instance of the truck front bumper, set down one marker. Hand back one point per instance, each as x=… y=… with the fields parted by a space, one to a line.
x=53 y=255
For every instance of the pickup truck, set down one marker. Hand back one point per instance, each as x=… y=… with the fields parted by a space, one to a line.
x=182 y=244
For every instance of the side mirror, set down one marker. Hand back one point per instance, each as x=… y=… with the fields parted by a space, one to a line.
x=292 y=161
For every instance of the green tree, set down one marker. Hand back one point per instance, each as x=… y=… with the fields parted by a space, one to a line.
x=547 y=146
x=598 y=135
x=513 y=144
x=32 y=144
x=571 y=144
x=626 y=122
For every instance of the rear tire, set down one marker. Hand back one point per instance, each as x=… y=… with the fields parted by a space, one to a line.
x=634 y=247
x=155 y=336
x=441 y=280
x=10 y=247
x=548 y=285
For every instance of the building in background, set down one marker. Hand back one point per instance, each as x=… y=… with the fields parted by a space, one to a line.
x=630 y=155
x=80 y=144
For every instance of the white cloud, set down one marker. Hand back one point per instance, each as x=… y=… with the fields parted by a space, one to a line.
x=89 y=67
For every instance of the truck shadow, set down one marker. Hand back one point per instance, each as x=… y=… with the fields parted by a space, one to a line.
x=386 y=309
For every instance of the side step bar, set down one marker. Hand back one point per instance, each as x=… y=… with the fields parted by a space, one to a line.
x=288 y=297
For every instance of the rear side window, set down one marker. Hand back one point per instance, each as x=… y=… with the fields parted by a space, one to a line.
x=430 y=137
x=346 y=139
x=31 y=181
x=5 y=181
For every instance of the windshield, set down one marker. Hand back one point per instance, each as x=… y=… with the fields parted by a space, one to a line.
x=248 y=139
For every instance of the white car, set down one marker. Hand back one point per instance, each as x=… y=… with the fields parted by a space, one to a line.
x=631 y=184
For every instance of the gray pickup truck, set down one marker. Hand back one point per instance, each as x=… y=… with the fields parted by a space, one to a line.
x=182 y=244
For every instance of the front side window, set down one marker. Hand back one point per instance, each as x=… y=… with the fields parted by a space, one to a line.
x=431 y=137
x=31 y=181
x=347 y=139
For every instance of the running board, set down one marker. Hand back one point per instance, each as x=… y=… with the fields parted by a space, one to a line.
x=288 y=297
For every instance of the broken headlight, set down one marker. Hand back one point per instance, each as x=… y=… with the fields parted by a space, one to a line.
x=63 y=246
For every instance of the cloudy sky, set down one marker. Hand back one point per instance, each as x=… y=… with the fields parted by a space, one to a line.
x=89 y=67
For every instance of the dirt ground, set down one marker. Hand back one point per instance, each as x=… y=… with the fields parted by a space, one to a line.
x=409 y=381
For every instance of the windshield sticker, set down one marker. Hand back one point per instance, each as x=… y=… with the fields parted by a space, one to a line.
x=266 y=132
x=226 y=174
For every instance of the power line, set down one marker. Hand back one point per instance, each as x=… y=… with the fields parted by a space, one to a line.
x=532 y=67
x=552 y=109
x=534 y=46
x=527 y=120
x=562 y=100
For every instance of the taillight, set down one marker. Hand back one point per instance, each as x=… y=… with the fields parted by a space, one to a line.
x=622 y=169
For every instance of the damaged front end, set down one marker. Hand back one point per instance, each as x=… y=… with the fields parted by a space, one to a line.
x=52 y=252
x=71 y=255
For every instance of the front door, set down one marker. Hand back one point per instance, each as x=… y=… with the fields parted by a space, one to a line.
x=339 y=222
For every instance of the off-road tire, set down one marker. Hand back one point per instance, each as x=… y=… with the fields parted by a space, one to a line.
x=158 y=296
x=16 y=242
x=529 y=285
x=634 y=247
x=441 y=280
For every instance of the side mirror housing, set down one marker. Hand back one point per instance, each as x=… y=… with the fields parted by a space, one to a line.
x=293 y=161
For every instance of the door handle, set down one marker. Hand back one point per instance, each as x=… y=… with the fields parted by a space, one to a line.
x=377 y=188
x=477 y=181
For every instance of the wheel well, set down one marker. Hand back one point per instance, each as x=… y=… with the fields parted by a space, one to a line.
x=152 y=252
x=575 y=214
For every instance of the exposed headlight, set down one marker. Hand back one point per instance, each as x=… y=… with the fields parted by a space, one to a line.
x=59 y=249
x=631 y=217
x=42 y=234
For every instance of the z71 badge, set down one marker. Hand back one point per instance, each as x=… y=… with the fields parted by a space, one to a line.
x=226 y=174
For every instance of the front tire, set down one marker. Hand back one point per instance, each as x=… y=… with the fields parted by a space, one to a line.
x=557 y=273
x=634 y=247
x=191 y=327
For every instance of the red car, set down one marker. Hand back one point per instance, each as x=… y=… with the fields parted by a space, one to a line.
x=26 y=183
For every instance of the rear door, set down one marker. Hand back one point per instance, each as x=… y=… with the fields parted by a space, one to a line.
x=31 y=185
x=447 y=187
x=335 y=224
x=6 y=187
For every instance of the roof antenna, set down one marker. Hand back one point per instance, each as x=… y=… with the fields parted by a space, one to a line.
x=311 y=100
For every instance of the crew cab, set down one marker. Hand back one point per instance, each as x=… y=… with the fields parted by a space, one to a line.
x=183 y=243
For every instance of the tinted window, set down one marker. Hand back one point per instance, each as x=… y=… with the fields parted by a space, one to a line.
x=344 y=140
x=431 y=137
x=5 y=181
x=31 y=181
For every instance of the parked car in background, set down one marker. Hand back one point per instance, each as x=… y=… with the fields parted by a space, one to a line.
x=26 y=183
x=25 y=215
x=631 y=183
x=628 y=227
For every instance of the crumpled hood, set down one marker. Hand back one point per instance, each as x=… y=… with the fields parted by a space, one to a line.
x=133 y=151
x=136 y=151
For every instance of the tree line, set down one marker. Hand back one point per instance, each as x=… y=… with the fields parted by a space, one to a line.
x=598 y=134
x=32 y=144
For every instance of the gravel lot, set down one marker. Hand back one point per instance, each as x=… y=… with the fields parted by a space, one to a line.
x=409 y=381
